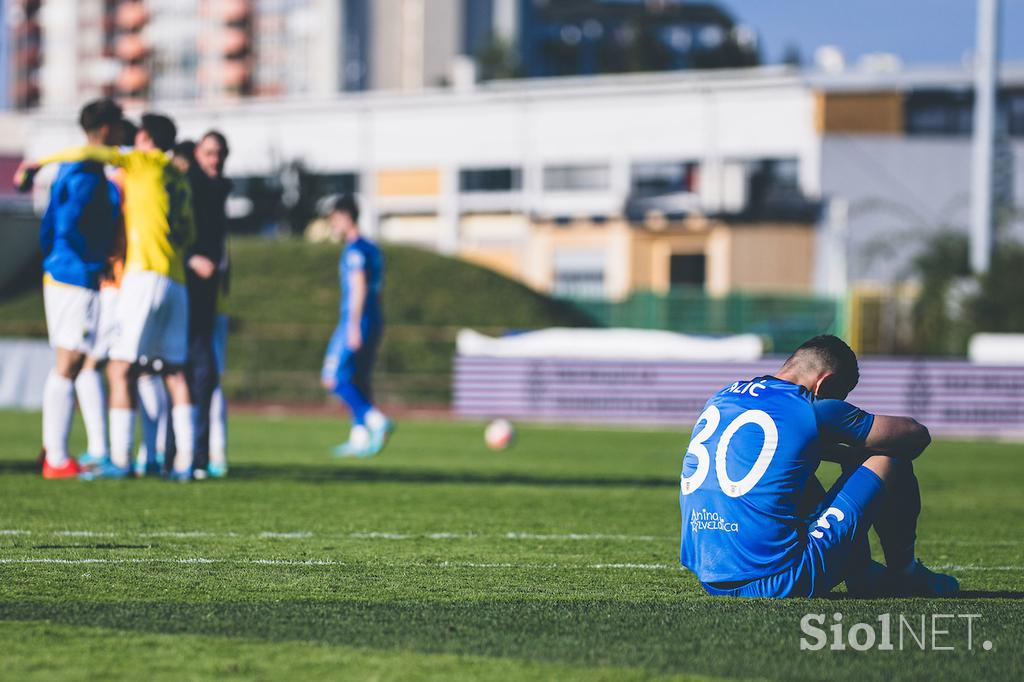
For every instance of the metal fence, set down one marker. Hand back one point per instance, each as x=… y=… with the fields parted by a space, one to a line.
x=782 y=321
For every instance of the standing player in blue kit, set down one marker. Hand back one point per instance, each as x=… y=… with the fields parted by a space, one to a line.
x=352 y=351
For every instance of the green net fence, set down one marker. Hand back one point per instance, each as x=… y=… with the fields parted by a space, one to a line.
x=782 y=321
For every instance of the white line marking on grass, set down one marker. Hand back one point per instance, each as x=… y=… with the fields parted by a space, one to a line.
x=642 y=567
x=584 y=536
x=329 y=562
x=972 y=543
x=440 y=564
x=975 y=567
x=359 y=535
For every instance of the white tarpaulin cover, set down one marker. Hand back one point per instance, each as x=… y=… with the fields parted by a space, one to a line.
x=24 y=364
x=610 y=344
x=996 y=349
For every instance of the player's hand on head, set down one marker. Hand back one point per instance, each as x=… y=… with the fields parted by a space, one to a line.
x=202 y=266
x=24 y=175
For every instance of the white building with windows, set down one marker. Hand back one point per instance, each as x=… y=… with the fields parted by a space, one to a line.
x=763 y=180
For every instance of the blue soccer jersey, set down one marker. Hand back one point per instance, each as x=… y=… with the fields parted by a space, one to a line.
x=77 y=230
x=753 y=449
x=363 y=256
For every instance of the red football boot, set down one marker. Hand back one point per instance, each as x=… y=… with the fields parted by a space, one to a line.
x=69 y=469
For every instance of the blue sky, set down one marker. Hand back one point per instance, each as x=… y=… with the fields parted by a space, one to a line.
x=919 y=31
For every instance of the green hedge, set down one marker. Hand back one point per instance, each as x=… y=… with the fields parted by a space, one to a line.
x=284 y=305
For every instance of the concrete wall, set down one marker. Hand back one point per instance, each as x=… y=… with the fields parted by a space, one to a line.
x=901 y=190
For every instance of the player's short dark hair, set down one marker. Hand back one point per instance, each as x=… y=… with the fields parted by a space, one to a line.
x=185 y=149
x=345 y=203
x=832 y=354
x=219 y=136
x=128 y=132
x=99 y=113
x=161 y=130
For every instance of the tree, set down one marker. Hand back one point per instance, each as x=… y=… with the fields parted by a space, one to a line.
x=953 y=304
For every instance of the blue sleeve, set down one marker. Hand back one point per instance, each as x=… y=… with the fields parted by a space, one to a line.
x=841 y=422
x=78 y=189
x=355 y=260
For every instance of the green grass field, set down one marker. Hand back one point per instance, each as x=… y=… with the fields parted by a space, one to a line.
x=440 y=559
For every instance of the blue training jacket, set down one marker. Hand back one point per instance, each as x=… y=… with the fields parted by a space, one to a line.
x=77 y=230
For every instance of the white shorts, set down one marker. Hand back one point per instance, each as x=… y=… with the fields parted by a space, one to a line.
x=152 y=319
x=220 y=342
x=71 y=315
x=106 y=328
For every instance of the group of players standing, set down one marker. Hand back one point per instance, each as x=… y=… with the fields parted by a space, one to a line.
x=136 y=273
x=135 y=268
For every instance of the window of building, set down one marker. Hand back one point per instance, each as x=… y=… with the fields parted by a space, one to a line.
x=774 y=192
x=657 y=179
x=577 y=178
x=687 y=269
x=490 y=180
x=1014 y=111
x=939 y=112
x=579 y=273
x=323 y=184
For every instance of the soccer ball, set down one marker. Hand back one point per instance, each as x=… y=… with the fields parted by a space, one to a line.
x=499 y=434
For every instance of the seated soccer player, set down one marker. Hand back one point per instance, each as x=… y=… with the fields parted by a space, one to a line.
x=352 y=351
x=748 y=483
x=76 y=235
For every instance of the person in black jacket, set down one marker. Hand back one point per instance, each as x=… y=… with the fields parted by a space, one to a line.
x=210 y=191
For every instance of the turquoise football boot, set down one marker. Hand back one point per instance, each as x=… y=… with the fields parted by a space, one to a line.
x=105 y=470
x=379 y=436
x=217 y=469
x=88 y=461
x=178 y=476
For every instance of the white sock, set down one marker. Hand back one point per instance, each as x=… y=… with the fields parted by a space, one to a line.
x=375 y=419
x=359 y=436
x=218 y=428
x=93 y=404
x=122 y=432
x=58 y=409
x=153 y=401
x=183 y=421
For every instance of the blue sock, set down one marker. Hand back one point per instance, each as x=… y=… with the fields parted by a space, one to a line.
x=356 y=401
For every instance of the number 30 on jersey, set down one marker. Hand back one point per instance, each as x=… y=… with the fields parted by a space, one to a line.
x=698 y=448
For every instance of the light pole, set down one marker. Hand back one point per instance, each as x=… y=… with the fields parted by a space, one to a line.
x=986 y=66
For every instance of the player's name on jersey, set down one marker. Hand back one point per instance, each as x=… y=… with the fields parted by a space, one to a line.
x=750 y=388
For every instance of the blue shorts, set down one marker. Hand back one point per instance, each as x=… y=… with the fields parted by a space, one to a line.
x=356 y=367
x=834 y=545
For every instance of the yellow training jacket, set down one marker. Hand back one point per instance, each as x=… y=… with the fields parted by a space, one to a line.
x=159 y=225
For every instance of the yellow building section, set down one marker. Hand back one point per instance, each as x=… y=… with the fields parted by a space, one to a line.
x=770 y=258
x=418 y=182
x=864 y=113
x=504 y=261
x=756 y=258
